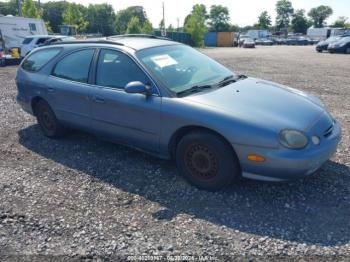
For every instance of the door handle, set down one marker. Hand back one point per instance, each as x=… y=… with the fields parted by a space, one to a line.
x=98 y=100
x=51 y=89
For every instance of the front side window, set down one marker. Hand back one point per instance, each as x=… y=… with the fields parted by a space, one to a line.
x=75 y=66
x=38 y=59
x=180 y=67
x=115 y=69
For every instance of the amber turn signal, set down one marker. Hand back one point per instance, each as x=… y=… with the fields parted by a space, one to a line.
x=255 y=158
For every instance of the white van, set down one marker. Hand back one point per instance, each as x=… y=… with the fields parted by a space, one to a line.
x=14 y=29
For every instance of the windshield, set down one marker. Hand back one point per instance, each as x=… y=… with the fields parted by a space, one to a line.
x=181 y=67
x=333 y=38
x=344 y=39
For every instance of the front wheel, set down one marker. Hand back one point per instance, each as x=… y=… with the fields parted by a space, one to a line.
x=47 y=120
x=207 y=161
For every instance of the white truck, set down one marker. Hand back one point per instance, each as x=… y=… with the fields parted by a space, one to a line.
x=14 y=29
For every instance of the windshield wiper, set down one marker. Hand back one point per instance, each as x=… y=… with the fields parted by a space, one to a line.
x=227 y=78
x=194 y=89
x=231 y=79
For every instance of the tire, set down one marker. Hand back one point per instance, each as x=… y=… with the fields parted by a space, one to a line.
x=347 y=50
x=320 y=51
x=207 y=161
x=47 y=120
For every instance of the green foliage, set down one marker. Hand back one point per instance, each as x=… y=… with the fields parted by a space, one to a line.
x=52 y=13
x=124 y=16
x=300 y=23
x=196 y=25
x=170 y=28
x=235 y=28
x=101 y=19
x=48 y=27
x=30 y=9
x=161 y=24
x=264 y=20
x=219 y=18
x=320 y=14
x=9 y=8
x=74 y=15
x=284 y=11
x=147 y=27
x=134 y=26
x=341 y=22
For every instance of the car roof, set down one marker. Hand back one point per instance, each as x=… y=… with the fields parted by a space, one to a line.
x=138 y=43
x=134 y=42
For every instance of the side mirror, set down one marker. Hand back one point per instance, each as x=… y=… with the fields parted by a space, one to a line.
x=138 y=87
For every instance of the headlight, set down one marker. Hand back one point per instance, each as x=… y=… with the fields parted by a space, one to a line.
x=293 y=139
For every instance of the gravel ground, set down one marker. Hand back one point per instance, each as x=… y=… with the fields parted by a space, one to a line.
x=83 y=198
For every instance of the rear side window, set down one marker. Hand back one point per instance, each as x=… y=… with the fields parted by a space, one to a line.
x=75 y=66
x=27 y=40
x=38 y=59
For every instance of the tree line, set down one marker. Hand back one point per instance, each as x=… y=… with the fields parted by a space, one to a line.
x=288 y=19
x=101 y=18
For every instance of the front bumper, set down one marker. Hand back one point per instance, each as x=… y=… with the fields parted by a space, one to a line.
x=285 y=164
x=340 y=49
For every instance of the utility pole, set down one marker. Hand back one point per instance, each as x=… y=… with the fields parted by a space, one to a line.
x=19 y=4
x=163 y=30
x=163 y=16
x=178 y=24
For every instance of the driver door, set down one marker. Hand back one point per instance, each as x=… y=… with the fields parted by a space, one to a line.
x=132 y=119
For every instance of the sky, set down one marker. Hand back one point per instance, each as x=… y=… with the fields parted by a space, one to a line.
x=242 y=12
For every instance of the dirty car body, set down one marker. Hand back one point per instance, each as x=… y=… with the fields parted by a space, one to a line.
x=273 y=132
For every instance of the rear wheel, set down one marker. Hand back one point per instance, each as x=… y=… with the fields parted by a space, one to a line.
x=207 y=161
x=47 y=120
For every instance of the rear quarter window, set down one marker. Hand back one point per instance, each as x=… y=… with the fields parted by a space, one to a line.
x=37 y=60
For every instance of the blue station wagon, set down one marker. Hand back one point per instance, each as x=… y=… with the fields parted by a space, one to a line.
x=172 y=101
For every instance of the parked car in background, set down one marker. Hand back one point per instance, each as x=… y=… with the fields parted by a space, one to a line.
x=58 y=39
x=323 y=45
x=172 y=101
x=241 y=39
x=31 y=42
x=264 y=41
x=340 y=46
x=248 y=43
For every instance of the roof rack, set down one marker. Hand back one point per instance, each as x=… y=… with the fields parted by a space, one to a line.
x=138 y=35
x=102 y=41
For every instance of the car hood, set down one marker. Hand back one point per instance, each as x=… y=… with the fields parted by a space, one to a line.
x=263 y=103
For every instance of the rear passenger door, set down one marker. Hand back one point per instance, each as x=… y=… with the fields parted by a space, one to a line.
x=69 y=89
x=133 y=119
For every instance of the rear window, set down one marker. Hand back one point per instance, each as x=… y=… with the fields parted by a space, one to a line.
x=38 y=59
x=27 y=40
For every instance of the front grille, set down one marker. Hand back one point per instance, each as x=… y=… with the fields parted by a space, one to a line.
x=329 y=130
